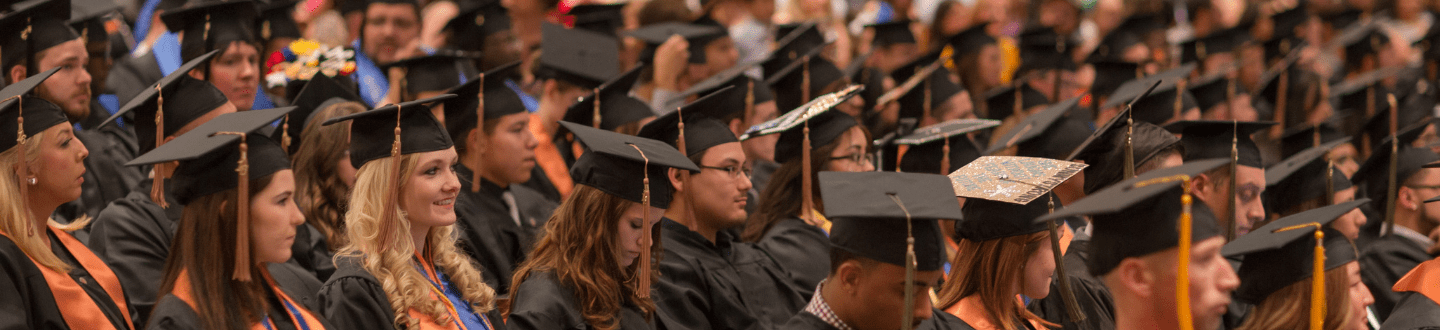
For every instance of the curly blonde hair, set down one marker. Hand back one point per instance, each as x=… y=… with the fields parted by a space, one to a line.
x=15 y=218
x=405 y=287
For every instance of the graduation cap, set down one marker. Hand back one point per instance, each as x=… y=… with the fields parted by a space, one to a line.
x=1049 y=133
x=794 y=41
x=1000 y=102
x=477 y=20
x=943 y=147
x=1377 y=127
x=603 y=18
x=319 y=93
x=1110 y=75
x=1214 y=90
x=88 y=17
x=1130 y=33
x=373 y=133
x=220 y=155
x=488 y=97
x=748 y=89
x=701 y=128
x=1160 y=105
x=1290 y=250
x=790 y=81
x=1353 y=94
x=696 y=35
x=615 y=166
x=1300 y=138
x=1041 y=48
x=1280 y=48
x=174 y=101
x=615 y=108
x=31 y=27
x=1343 y=18
x=1143 y=215
x=894 y=32
x=277 y=20
x=1287 y=21
x=1305 y=176
x=923 y=85
x=1360 y=40
x=1281 y=74
x=579 y=57
x=1223 y=41
x=1104 y=150
x=803 y=128
x=1213 y=139
x=970 y=41
x=212 y=25
x=20 y=107
x=432 y=73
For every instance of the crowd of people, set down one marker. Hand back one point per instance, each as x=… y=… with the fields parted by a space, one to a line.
x=720 y=164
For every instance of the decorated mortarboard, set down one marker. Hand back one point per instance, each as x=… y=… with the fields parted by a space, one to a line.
x=1215 y=89
x=603 y=18
x=31 y=27
x=702 y=127
x=1110 y=75
x=619 y=164
x=220 y=155
x=373 y=133
x=615 y=108
x=943 y=147
x=894 y=32
x=432 y=73
x=174 y=101
x=1105 y=150
x=868 y=210
x=277 y=20
x=583 y=58
x=213 y=25
x=1010 y=179
x=466 y=111
x=1001 y=102
x=319 y=93
x=88 y=17
x=970 y=41
x=476 y=20
x=825 y=126
x=790 y=82
x=1305 y=176
x=17 y=103
x=1290 y=250
x=696 y=35
x=1223 y=41
x=1041 y=48
x=924 y=86
x=1049 y=133
x=1205 y=139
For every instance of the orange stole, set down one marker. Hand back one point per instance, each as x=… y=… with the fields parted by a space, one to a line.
x=437 y=294
x=973 y=313
x=182 y=291
x=547 y=156
x=76 y=306
x=1424 y=279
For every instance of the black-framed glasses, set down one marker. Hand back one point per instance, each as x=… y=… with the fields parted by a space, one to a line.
x=859 y=158
x=733 y=170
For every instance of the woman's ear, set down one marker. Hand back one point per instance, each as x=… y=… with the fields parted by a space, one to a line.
x=675 y=182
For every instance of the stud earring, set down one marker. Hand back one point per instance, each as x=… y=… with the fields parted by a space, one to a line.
x=31 y=181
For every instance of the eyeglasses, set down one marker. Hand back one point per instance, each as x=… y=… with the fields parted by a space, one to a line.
x=857 y=158
x=734 y=171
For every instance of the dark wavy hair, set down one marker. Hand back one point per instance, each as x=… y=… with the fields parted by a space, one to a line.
x=781 y=198
x=319 y=191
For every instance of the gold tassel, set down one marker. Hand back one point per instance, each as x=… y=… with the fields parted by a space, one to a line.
x=1317 y=275
x=1280 y=101
x=387 y=222
x=643 y=289
x=1182 y=276
x=23 y=165
x=1129 y=165
x=807 y=206
x=242 y=211
x=1394 y=159
x=157 y=187
x=479 y=122
x=906 y=318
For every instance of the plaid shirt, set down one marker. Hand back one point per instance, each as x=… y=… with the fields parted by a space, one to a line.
x=820 y=309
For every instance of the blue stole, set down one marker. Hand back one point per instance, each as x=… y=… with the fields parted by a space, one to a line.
x=167 y=53
x=531 y=105
x=372 y=81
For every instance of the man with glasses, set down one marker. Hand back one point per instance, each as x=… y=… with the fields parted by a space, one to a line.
x=708 y=278
x=1386 y=256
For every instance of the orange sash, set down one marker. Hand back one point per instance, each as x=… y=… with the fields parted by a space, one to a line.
x=547 y=156
x=76 y=306
x=973 y=313
x=437 y=293
x=1424 y=279
x=182 y=291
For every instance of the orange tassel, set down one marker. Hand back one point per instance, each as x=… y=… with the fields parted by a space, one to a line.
x=643 y=271
x=387 y=221
x=479 y=120
x=242 y=211
x=23 y=166
x=157 y=188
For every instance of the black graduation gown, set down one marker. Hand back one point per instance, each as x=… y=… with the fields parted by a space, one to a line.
x=132 y=74
x=1413 y=311
x=106 y=176
x=173 y=313
x=133 y=236
x=352 y=299
x=490 y=235
x=803 y=250
x=541 y=302
x=939 y=321
x=541 y=183
x=1385 y=260
x=1090 y=293
x=312 y=253
x=724 y=285
x=26 y=300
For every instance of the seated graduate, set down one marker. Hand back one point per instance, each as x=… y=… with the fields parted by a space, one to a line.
x=402 y=267
x=1307 y=181
x=1300 y=273
x=708 y=278
x=789 y=224
x=888 y=253
x=594 y=266
x=574 y=62
x=227 y=270
x=43 y=267
x=500 y=218
x=1385 y=257
x=133 y=234
x=323 y=173
x=1003 y=252
x=229 y=27
x=1138 y=253
x=1417 y=307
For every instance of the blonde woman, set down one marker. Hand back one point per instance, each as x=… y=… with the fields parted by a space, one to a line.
x=401 y=268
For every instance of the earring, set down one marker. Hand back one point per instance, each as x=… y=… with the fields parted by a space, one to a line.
x=31 y=181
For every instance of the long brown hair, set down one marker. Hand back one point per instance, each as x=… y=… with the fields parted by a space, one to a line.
x=204 y=247
x=580 y=247
x=319 y=191
x=991 y=269
x=1289 y=307
x=782 y=196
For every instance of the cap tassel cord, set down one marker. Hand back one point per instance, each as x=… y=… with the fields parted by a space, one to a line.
x=907 y=318
x=479 y=119
x=1179 y=98
x=388 y=219
x=157 y=187
x=807 y=206
x=1369 y=111
x=285 y=133
x=944 y=158
x=643 y=289
x=1233 y=229
x=242 y=211
x=1317 y=275
x=1182 y=277
x=595 y=120
x=1072 y=307
x=805 y=81
x=1393 y=190
x=21 y=164
x=1280 y=100
x=1330 y=182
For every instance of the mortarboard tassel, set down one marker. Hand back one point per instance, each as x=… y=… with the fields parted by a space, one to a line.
x=1129 y=166
x=1059 y=63
x=1182 y=277
x=1072 y=307
x=1179 y=98
x=387 y=222
x=1330 y=182
x=1018 y=106
x=925 y=107
x=21 y=164
x=944 y=158
x=242 y=211
x=595 y=121
x=31 y=66
x=1233 y=229
x=285 y=133
x=1280 y=100
x=1317 y=275
x=749 y=98
x=1369 y=111
x=209 y=42
x=1394 y=158
x=807 y=206
x=907 y=318
x=805 y=83
x=643 y=271
x=157 y=186
x=684 y=175
x=480 y=118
